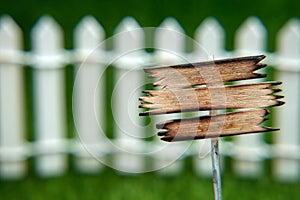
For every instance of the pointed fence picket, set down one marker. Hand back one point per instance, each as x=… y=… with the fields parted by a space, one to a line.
x=251 y=37
x=169 y=45
x=287 y=141
x=49 y=97
x=209 y=45
x=209 y=40
x=249 y=154
x=89 y=90
x=12 y=106
x=129 y=43
x=128 y=147
x=169 y=42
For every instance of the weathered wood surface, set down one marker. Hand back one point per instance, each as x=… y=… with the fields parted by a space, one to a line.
x=217 y=71
x=214 y=126
x=256 y=95
x=177 y=94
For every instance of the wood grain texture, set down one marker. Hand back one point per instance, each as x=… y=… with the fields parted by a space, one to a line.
x=218 y=71
x=235 y=123
x=257 y=95
x=177 y=94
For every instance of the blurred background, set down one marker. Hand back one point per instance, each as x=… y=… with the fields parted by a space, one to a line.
x=77 y=176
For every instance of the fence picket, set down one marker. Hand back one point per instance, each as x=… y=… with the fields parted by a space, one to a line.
x=210 y=40
x=250 y=39
x=129 y=81
x=49 y=97
x=89 y=89
x=169 y=44
x=209 y=45
x=287 y=117
x=12 y=103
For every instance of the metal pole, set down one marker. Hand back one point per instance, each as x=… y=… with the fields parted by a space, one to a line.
x=215 y=157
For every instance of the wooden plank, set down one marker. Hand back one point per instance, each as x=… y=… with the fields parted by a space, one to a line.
x=214 y=126
x=255 y=95
x=200 y=73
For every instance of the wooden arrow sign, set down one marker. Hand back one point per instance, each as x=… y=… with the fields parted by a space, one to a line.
x=178 y=95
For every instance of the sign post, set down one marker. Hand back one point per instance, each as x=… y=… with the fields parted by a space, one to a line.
x=177 y=93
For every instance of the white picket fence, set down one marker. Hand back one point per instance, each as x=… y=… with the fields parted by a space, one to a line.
x=128 y=151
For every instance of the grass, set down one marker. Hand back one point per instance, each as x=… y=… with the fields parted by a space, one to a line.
x=109 y=185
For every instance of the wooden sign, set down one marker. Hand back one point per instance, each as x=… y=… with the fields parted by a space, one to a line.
x=178 y=94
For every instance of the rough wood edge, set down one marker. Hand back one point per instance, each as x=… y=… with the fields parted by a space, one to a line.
x=163 y=133
x=157 y=111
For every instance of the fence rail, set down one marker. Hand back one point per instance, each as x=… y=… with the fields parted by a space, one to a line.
x=90 y=147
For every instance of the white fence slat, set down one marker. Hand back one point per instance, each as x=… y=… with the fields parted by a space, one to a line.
x=250 y=40
x=12 y=105
x=169 y=45
x=209 y=44
x=129 y=81
x=210 y=40
x=49 y=97
x=89 y=92
x=129 y=37
x=287 y=117
x=251 y=37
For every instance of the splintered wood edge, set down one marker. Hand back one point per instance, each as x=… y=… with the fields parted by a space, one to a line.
x=177 y=139
x=168 y=80
x=156 y=111
x=260 y=128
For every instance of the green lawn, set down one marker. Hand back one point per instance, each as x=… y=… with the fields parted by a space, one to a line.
x=109 y=185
